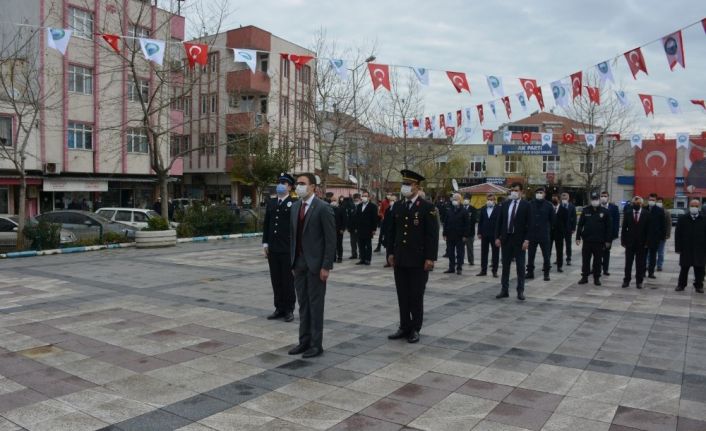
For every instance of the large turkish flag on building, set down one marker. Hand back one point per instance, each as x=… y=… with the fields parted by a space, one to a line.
x=656 y=168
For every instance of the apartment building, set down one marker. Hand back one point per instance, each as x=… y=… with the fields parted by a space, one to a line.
x=231 y=108
x=88 y=144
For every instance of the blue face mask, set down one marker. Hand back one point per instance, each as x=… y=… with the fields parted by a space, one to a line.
x=281 y=189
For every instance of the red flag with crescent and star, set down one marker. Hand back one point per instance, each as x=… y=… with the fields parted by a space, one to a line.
x=699 y=102
x=113 y=40
x=480 y=113
x=459 y=81
x=196 y=53
x=526 y=137
x=636 y=62
x=380 y=75
x=487 y=135
x=568 y=138
x=529 y=85
x=508 y=108
x=298 y=60
x=656 y=167
x=540 y=98
x=576 y=84
x=646 y=100
x=594 y=94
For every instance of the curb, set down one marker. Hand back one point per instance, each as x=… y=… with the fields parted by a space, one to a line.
x=70 y=250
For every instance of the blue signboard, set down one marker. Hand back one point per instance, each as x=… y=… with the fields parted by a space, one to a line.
x=523 y=149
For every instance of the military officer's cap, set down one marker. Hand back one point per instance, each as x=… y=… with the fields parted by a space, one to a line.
x=594 y=195
x=408 y=175
x=286 y=177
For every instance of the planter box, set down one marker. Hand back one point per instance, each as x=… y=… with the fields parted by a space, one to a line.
x=157 y=238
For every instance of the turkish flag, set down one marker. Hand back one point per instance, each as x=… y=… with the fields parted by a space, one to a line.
x=529 y=85
x=540 y=98
x=699 y=102
x=459 y=81
x=113 y=40
x=298 y=60
x=659 y=137
x=695 y=167
x=656 y=167
x=508 y=108
x=196 y=53
x=427 y=124
x=480 y=113
x=636 y=62
x=380 y=75
x=576 y=84
x=526 y=137
x=568 y=138
x=646 y=100
x=459 y=118
x=594 y=94
x=614 y=136
x=703 y=24
x=487 y=135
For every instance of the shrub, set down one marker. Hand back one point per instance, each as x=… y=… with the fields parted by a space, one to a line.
x=113 y=238
x=43 y=235
x=157 y=223
x=212 y=220
x=184 y=230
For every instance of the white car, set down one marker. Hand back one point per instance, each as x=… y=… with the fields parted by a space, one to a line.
x=8 y=233
x=136 y=217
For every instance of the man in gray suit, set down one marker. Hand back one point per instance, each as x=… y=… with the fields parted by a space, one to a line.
x=313 y=246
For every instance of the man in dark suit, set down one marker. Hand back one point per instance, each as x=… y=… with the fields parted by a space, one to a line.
x=414 y=242
x=313 y=250
x=633 y=237
x=488 y=219
x=594 y=230
x=539 y=235
x=570 y=227
x=614 y=229
x=456 y=234
x=365 y=223
x=558 y=232
x=386 y=226
x=350 y=212
x=276 y=245
x=339 y=213
x=655 y=234
x=512 y=236
x=472 y=220
x=690 y=244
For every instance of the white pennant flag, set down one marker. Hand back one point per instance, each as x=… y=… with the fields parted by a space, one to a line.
x=339 y=66
x=492 y=108
x=682 y=140
x=507 y=136
x=620 y=94
x=467 y=116
x=636 y=141
x=495 y=83
x=590 y=139
x=547 y=139
x=247 y=56
x=673 y=105
x=523 y=101
x=422 y=75
x=561 y=97
x=605 y=73
x=153 y=50
x=58 y=38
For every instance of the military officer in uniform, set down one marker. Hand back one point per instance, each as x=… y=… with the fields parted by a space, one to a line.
x=594 y=229
x=414 y=242
x=276 y=244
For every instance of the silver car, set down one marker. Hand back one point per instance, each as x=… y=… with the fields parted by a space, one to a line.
x=85 y=224
x=8 y=233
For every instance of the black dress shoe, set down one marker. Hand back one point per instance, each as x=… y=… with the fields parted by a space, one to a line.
x=699 y=289
x=680 y=288
x=606 y=273
x=353 y=257
x=652 y=276
x=288 y=316
x=298 y=349
x=546 y=277
x=568 y=262
x=458 y=271
x=521 y=296
x=339 y=260
x=502 y=295
x=313 y=352
x=413 y=337
x=639 y=285
x=377 y=250
x=626 y=283
x=597 y=282
x=481 y=274
x=495 y=274
x=367 y=262
x=360 y=262
x=529 y=276
x=659 y=269
x=398 y=335
x=559 y=269
x=471 y=263
x=449 y=271
x=584 y=280
x=276 y=315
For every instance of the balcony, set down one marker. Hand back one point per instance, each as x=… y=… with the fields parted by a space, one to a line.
x=244 y=81
x=243 y=122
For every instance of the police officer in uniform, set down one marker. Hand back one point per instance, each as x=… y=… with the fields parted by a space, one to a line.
x=414 y=241
x=594 y=228
x=539 y=234
x=276 y=244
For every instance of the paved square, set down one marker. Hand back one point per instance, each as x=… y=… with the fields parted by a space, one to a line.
x=177 y=338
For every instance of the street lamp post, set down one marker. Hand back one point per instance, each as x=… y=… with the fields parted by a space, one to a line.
x=355 y=113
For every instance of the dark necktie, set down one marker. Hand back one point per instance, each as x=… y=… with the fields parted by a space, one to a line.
x=637 y=216
x=300 y=228
x=409 y=205
x=512 y=216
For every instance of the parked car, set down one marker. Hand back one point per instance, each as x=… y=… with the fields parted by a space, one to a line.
x=183 y=203
x=85 y=224
x=676 y=213
x=135 y=217
x=8 y=233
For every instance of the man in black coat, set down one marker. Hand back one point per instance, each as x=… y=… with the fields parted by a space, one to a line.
x=655 y=235
x=690 y=244
x=487 y=221
x=365 y=223
x=386 y=226
x=456 y=233
x=276 y=245
x=539 y=235
x=614 y=228
x=414 y=243
x=350 y=213
x=558 y=232
x=512 y=236
x=570 y=227
x=633 y=237
x=339 y=212
x=594 y=230
x=472 y=220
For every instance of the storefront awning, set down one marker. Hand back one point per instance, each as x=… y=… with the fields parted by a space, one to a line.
x=74 y=185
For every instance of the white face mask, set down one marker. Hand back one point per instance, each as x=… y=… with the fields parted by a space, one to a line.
x=564 y=201
x=364 y=199
x=406 y=190
x=302 y=191
x=595 y=203
x=660 y=204
x=651 y=203
x=604 y=200
x=539 y=196
x=466 y=202
x=694 y=210
x=334 y=204
x=455 y=203
x=514 y=195
x=491 y=204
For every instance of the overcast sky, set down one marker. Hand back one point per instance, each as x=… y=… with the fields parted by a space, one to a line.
x=546 y=40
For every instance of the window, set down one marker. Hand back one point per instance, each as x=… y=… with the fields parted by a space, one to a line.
x=106 y=213
x=6 y=225
x=285 y=106
x=179 y=144
x=123 y=216
x=263 y=60
x=263 y=104
x=236 y=144
x=285 y=67
x=177 y=101
x=80 y=136
x=214 y=103
x=512 y=163
x=477 y=166
x=138 y=217
x=204 y=103
x=4 y=200
x=550 y=164
x=6 y=137
x=137 y=140
x=213 y=62
x=207 y=143
x=233 y=100
x=247 y=103
x=81 y=22
x=187 y=106
x=176 y=51
x=80 y=79
x=586 y=164
x=132 y=93
x=303 y=75
x=138 y=31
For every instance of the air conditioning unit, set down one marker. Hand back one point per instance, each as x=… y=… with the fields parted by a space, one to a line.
x=52 y=168
x=477 y=174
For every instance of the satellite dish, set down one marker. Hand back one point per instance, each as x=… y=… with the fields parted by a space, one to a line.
x=352 y=179
x=454 y=183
